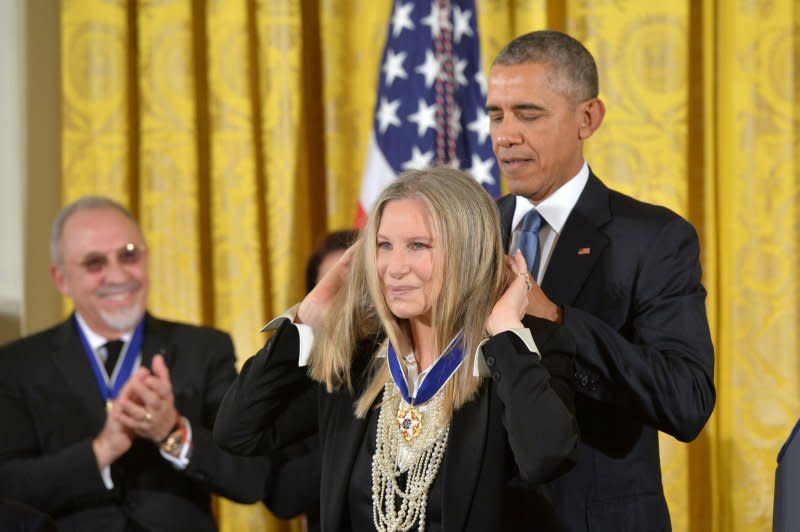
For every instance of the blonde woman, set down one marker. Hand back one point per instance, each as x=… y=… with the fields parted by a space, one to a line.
x=429 y=397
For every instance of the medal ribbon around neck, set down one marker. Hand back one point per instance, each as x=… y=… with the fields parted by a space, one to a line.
x=437 y=376
x=126 y=368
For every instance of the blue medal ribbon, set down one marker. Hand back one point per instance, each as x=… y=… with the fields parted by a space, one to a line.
x=439 y=374
x=126 y=368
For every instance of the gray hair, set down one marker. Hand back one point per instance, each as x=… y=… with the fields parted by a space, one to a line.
x=573 y=70
x=86 y=203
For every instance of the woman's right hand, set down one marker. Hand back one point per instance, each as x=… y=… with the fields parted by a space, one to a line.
x=508 y=311
x=315 y=305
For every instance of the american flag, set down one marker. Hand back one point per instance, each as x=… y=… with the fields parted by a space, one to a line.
x=431 y=96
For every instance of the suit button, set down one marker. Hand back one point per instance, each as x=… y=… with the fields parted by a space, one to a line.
x=490 y=361
x=496 y=376
x=584 y=381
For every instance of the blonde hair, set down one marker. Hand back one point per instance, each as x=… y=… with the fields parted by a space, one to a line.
x=466 y=231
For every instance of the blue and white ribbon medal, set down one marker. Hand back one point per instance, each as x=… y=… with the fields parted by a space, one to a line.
x=409 y=419
x=110 y=390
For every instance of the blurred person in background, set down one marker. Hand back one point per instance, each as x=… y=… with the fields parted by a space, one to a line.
x=108 y=415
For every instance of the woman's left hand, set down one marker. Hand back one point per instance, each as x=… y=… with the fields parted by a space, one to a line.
x=317 y=303
x=508 y=311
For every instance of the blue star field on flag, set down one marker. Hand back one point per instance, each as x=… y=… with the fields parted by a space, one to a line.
x=431 y=95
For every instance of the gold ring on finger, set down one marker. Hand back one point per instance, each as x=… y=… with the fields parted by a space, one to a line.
x=147 y=417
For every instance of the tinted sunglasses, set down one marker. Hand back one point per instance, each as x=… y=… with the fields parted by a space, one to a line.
x=128 y=255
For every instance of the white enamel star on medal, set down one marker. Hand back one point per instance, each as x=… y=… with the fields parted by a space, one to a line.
x=409 y=422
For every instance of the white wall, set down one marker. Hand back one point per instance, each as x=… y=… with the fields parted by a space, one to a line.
x=41 y=190
x=30 y=162
x=12 y=153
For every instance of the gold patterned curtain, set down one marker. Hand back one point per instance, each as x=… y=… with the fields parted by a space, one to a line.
x=236 y=130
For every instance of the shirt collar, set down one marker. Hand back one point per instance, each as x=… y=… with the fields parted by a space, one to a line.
x=555 y=208
x=94 y=339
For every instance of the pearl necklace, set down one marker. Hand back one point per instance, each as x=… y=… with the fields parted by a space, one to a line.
x=419 y=458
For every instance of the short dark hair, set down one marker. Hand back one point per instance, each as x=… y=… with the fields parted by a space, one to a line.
x=571 y=63
x=335 y=241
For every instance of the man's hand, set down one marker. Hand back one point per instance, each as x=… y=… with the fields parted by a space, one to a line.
x=539 y=305
x=113 y=441
x=315 y=305
x=146 y=405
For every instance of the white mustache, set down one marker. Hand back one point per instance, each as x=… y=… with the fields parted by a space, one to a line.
x=117 y=288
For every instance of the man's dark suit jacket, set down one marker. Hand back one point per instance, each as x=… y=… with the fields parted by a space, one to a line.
x=627 y=275
x=273 y=402
x=51 y=409
x=16 y=517
x=785 y=510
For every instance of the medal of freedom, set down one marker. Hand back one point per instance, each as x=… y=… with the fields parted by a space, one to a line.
x=409 y=421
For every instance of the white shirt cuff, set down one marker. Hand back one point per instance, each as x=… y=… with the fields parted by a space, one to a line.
x=182 y=460
x=105 y=474
x=479 y=367
x=304 y=332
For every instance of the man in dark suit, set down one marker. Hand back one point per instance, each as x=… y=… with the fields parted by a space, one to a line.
x=622 y=275
x=107 y=417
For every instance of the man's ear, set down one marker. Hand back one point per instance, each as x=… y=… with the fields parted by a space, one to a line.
x=592 y=113
x=59 y=279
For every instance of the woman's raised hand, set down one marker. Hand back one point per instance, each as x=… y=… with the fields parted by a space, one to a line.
x=508 y=311
x=315 y=305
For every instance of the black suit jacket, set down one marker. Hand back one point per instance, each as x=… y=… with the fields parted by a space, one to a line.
x=293 y=488
x=627 y=275
x=51 y=409
x=517 y=426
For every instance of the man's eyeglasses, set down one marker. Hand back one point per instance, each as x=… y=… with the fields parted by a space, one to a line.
x=128 y=255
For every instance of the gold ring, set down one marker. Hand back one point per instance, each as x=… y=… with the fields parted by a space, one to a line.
x=528 y=281
x=147 y=417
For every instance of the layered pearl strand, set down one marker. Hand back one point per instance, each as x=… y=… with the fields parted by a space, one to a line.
x=419 y=458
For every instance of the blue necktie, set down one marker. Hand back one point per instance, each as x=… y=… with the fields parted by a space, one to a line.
x=529 y=240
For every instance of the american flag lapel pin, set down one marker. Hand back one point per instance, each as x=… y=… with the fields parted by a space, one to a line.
x=584 y=251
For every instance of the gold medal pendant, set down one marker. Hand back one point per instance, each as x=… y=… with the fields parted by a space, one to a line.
x=409 y=422
x=109 y=405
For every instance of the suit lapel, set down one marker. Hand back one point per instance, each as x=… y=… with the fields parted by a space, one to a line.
x=579 y=246
x=72 y=362
x=155 y=342
x=462 y=463
x=506 y=205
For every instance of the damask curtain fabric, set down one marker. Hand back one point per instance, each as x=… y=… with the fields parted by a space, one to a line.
x=237 y=130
